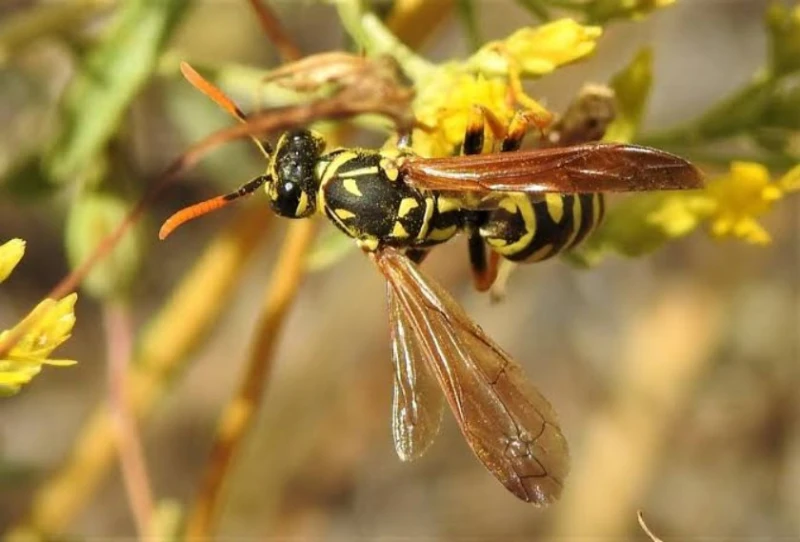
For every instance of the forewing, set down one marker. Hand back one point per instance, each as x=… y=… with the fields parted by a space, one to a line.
x=418 y=402
x=587 y=168
x=508 y=424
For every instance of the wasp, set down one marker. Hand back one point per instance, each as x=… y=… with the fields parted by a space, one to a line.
x=520 y=205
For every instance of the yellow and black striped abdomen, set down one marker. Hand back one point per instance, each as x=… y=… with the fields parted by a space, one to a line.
x=532 y=228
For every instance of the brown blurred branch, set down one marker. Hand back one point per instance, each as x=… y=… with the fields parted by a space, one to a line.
x=119 y=339
x=169 y=338
x=667 y=351
x=274 y=30
x=240 y=412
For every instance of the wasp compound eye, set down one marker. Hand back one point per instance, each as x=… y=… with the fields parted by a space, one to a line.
x=289 y=200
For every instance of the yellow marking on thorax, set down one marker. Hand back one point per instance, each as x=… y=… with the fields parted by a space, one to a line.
x=344 y=214
x=442 y=234
x=389 y=168
x=555 y=206
x=399 y=232
x=369 y=170
x=370 y=244
x=406 y=206
x=334 y=165
x=426 y=219
x=446 y=205
x=352 y=187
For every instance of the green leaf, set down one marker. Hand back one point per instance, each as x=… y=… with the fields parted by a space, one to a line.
x=27 y=181
x=632 y=88
x=91 y=218
x=783 y=25
x=111 y=76
x=469 y=18
x=642 y=223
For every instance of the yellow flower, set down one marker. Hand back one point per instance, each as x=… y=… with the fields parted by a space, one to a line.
x=537 y=51
x=446 y=102
x=731 y=204
x=740 y=197
x=47 y=326
x=10 y=255
x=680 y=213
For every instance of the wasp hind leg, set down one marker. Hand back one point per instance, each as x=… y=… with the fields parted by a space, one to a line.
x=485 y=266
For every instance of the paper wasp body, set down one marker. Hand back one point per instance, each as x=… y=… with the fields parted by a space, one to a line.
x=521 y=205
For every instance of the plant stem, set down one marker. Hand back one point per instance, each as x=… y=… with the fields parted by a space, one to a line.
x=239 y=414
x=370 y=33
x=729 y=117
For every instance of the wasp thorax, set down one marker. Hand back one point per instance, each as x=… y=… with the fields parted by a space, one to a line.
x=293 y=190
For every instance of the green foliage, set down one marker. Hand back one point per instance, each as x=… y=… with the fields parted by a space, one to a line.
x=92 y=216
x=632 y=87
x=110 y=77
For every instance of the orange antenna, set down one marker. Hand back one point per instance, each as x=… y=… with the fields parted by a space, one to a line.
x=204 y=207
x=219 y=98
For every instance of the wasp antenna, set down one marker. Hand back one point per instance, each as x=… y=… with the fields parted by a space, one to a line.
x=204 y=207
x=190 y=213
x=219 y=98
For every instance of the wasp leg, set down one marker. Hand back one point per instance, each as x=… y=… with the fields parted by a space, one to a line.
x=473 y=135
x=516 y=131
x=483 y=269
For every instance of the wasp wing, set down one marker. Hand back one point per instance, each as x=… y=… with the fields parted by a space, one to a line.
x=586 y=168
x=418 y=402
x=508 y=424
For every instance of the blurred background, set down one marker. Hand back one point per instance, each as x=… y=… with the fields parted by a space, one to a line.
x=674 y=376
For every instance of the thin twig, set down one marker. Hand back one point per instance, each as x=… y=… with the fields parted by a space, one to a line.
x=645 y=528
x=275 y=32
x=240 y=412
x=383 y=99
x=119 y=338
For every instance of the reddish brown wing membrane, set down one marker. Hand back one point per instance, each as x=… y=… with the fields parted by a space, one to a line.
x=591 y=167
x=418 y=402
x=506 y=421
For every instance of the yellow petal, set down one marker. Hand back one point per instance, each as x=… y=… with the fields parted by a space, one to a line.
x=46 y=327
x=10 y=254
x=538 y=51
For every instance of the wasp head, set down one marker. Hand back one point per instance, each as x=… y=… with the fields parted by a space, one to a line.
x=293 y=186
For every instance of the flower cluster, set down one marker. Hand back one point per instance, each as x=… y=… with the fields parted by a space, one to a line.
x=47 y=326
x=492 y=78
